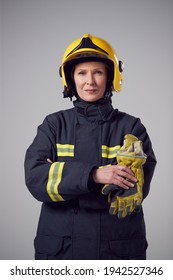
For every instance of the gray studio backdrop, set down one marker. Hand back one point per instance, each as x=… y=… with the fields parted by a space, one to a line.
x=34 y=35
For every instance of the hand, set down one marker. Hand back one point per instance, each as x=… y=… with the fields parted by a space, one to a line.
x=119 y=175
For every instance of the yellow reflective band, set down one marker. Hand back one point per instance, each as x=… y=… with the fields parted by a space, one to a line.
x=110 y=152
x=65 y=150
x=54 y=179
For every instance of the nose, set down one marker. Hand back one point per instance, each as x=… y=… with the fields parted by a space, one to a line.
x=90 y=79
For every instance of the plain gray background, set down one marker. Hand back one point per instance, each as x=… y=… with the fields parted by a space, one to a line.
x=34 y=36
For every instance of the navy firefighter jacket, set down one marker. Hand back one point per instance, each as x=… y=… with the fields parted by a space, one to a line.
x=75 y=222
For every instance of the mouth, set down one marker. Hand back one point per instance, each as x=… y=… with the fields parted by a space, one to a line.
x=90 y=90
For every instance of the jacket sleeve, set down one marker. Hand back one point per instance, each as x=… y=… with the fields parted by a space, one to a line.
x=58 y=181
x=140 y=131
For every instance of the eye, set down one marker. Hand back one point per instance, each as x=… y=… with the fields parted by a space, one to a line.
x=99 y=72
x=81 y=73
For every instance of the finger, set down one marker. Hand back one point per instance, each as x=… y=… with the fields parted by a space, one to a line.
x=48 y=160
x=129 y=206
x=113 y=210
x=123 y=182
x=137 y=206
x=125 y=169
x=127 y=174
x=121 y=209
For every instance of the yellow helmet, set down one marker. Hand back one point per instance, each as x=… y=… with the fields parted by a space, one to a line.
x=90 y=48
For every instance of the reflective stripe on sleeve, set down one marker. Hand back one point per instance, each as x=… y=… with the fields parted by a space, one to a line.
x=110 y=152
x=65 y=150
x=54 y=179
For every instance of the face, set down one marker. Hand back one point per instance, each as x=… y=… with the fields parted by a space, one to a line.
x=90 y=79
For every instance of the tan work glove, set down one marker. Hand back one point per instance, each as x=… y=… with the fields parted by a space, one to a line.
x=124 y=202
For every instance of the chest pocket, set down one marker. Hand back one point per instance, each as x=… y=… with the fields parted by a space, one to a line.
x=88 y=143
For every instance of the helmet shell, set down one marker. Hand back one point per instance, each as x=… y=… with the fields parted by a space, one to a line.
x=91 y=48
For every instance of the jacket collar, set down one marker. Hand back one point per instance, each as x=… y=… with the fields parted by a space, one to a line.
x=99 y=111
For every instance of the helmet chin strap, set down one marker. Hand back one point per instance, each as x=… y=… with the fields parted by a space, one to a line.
x=108 y=95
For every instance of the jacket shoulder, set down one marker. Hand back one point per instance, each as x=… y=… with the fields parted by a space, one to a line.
x=59 y=115
x=125 y=116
